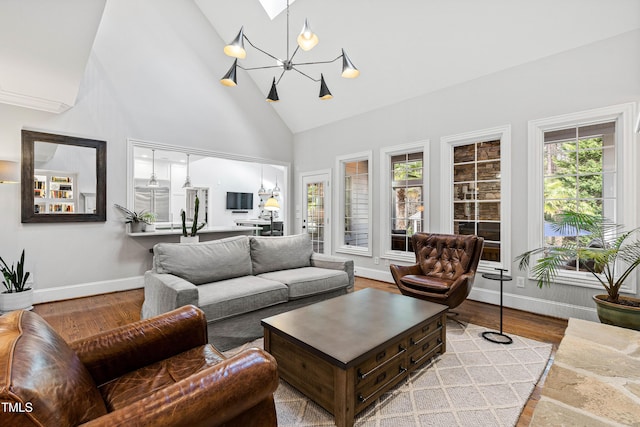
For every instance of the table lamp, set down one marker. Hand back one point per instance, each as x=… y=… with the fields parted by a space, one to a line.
x=271 y=205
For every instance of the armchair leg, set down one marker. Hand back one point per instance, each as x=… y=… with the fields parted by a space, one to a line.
x=451 y=315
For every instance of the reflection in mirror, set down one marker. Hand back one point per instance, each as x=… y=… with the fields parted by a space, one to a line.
x=63 y=178
x=181 y=174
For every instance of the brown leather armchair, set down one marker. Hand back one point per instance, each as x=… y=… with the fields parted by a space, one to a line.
x=445 y=268
x=155 y=372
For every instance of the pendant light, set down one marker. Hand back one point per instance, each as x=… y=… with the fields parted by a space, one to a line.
x=262 y=189
x=153 y=181
x=276 y=189
x=187 y=182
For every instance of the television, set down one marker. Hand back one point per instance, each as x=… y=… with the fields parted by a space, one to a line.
x=239 y=201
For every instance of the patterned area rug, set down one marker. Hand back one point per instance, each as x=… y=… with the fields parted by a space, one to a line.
x=475 y=383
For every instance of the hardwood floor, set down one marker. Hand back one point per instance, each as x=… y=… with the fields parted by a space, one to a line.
x=82 y=317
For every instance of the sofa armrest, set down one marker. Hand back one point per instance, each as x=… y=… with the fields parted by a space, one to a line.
x=334 y=263
x=211 y=397
x=166 y=292
x=113 y=353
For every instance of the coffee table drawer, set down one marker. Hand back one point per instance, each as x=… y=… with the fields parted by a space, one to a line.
x=428 y=347
x=424 y=331
x=380 y=380
x=380 y=358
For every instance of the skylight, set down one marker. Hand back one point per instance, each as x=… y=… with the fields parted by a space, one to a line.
x=274 y=7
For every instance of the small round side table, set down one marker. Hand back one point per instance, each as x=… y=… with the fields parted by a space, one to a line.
x=498 y=337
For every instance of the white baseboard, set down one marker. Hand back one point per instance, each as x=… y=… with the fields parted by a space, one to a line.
x=520 y=302
x=86 y=289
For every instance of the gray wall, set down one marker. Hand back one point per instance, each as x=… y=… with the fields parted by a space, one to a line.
x=598 y=75
x=152 y=75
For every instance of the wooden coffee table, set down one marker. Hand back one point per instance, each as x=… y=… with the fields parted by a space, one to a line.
x=343 y=353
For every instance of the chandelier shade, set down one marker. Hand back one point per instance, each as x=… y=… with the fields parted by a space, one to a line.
x=273 y=93
x=324 y=90
x=235 y=49
x=230 y=78
x=349 y=71
x=306 y=41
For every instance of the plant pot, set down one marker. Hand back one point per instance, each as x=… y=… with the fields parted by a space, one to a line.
x=136 y=227
x=10 y=301
x=148 y=228
x=189 y=239
x=618 y=314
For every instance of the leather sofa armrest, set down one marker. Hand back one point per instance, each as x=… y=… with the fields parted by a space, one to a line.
x=211 y=397
x=113 y=353
x=166 y=292
x=334 y=263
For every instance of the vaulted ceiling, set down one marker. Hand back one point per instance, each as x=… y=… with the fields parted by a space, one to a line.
x=403 y=49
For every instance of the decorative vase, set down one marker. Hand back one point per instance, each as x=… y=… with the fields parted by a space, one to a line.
x=617 y=314
x=189 y=239
x=10 y=301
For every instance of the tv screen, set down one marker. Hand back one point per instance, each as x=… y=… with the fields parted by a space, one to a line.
x=239 y=200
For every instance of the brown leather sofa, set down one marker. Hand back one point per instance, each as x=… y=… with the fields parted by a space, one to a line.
x=445 y=268
x=155 y=372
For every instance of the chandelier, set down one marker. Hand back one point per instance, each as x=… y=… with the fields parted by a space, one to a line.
x=306 y=41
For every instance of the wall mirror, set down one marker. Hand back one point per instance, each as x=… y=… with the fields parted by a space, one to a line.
x=63 y=178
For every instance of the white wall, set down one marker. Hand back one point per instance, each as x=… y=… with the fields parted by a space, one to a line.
x=152 y=75
x=598 y=75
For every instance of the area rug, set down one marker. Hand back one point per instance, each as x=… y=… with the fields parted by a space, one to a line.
x=475 y=383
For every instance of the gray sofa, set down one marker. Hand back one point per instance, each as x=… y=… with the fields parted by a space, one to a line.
x=240 y=280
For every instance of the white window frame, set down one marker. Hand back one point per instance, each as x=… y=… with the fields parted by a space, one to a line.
x=339 y=203
x=447 y=144
x=626 y=158
x=385 y=199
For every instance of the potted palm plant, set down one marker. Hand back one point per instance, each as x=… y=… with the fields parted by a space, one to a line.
x=603 y=249
x=190 y=235
x=17 y=296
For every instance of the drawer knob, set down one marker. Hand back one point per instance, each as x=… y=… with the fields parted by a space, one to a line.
x=381 y=355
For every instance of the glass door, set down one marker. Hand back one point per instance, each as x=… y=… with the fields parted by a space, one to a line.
x=316 y=210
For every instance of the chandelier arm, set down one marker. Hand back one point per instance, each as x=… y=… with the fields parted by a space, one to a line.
x=281 y=75
x=306 y=75
x=318 y=62
x=294 y=53
x=259 y=68
x=257 y=48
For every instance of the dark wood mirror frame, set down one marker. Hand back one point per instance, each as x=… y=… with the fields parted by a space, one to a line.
x=28 y=172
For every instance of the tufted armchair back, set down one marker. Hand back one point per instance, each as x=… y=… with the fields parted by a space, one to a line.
x=445 y=268
x=444 y=256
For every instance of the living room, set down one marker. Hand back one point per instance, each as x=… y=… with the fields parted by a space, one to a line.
x=149 y=71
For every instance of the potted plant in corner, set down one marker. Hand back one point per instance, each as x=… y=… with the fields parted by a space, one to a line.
x=604 y=250
x=190 y=236
x=136 y=219
x=17 y=295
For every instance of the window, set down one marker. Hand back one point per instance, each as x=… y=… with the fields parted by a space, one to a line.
x=476 y=188
x=355 y=204
x=402 y=206
x=477 y=195
x=581 y=162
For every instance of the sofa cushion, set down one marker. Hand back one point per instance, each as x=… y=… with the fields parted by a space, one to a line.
x=205 y=262
x=240 y=295
x=135 y=386
x=280 y=252
x=307 y=281
x=41 y=375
